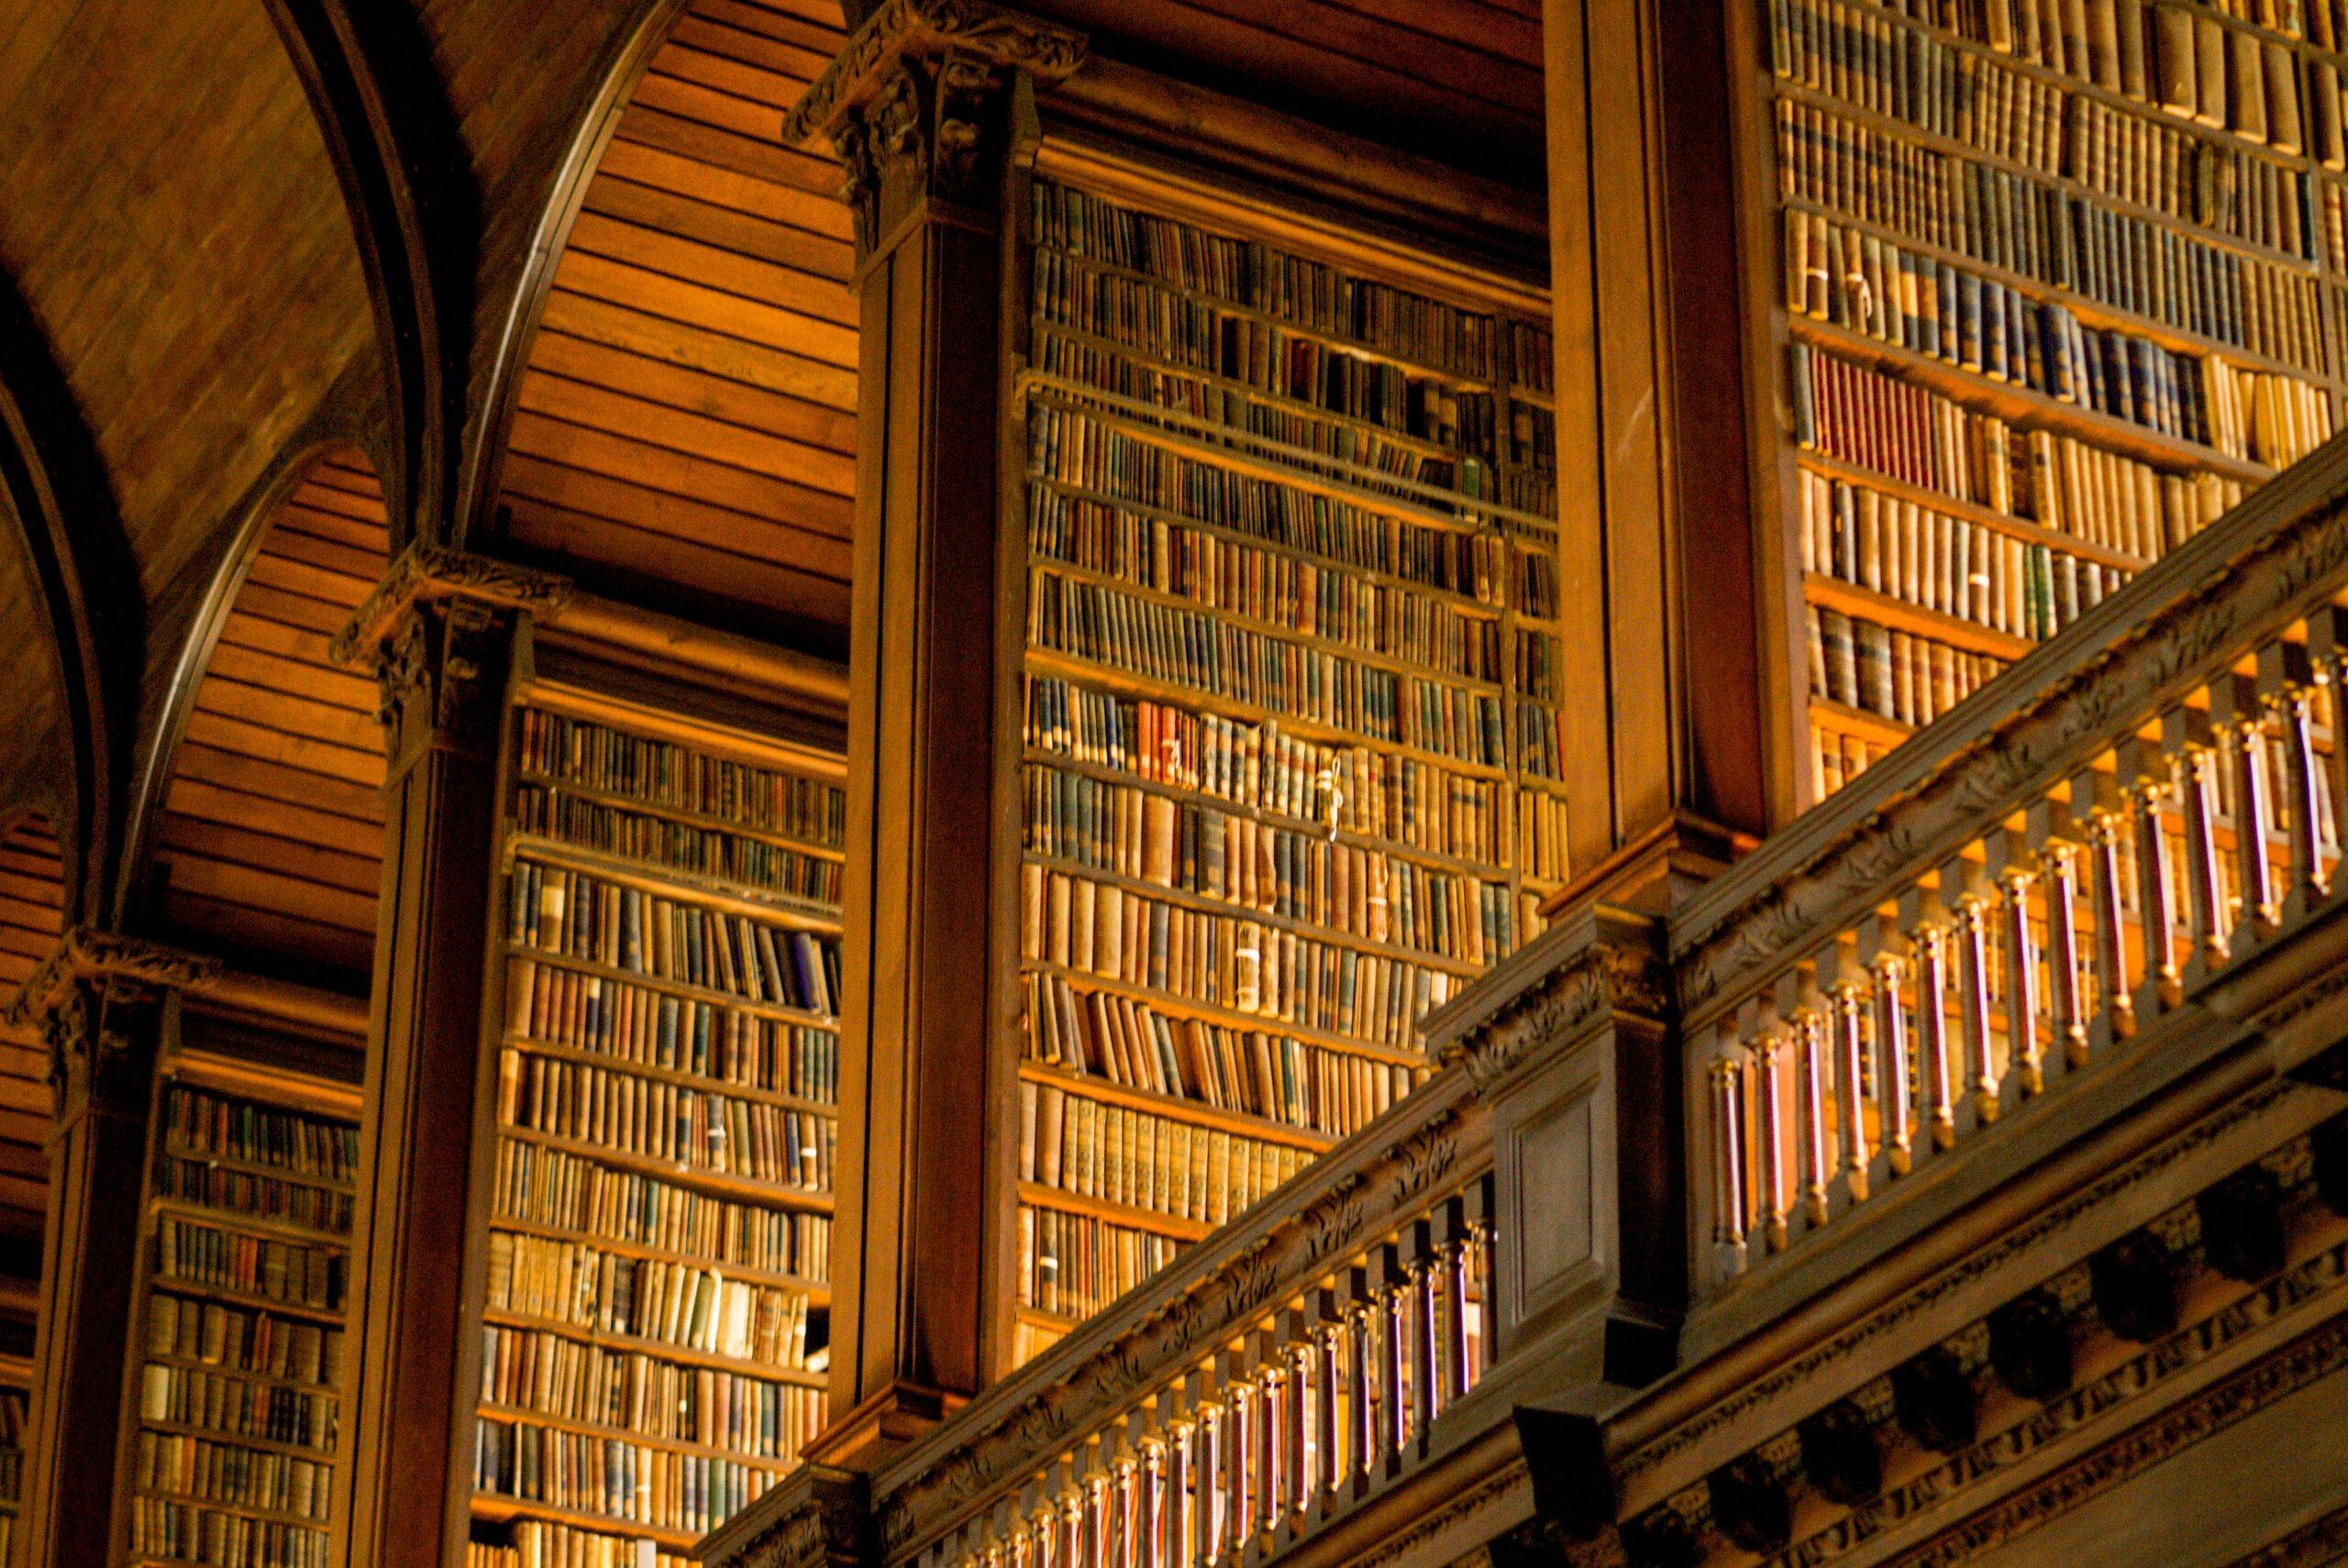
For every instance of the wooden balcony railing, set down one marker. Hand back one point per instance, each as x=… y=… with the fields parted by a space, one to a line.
x=1652 y=1136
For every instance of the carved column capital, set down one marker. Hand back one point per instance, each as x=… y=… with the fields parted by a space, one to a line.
x=914 y=103
x=97 y=1002
x=822 y=1518
x=434 y=631
x=1594 y=964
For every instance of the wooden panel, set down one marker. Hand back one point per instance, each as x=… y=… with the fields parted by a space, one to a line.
x=687 y=416
x=32 y=899
x=271 y=838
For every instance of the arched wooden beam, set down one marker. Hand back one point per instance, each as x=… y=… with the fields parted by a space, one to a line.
x=54 y=487
x=485 y=459
x=415 y=215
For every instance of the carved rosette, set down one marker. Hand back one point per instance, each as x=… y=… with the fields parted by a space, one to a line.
x=98 y=1001
x=916 y=103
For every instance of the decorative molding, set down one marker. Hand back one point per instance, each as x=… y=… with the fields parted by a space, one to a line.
x=2168 y=630
x=82 y=953
x=1604 y=980
x=912 y=92
x=825 y=1522
x=2314 y=1545
x=94 y=1000
x=423 y=572
x=1492 y=1491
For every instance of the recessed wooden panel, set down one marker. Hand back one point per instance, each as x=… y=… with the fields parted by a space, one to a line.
x=32 y=899
x=688 y=413
x=271 y=838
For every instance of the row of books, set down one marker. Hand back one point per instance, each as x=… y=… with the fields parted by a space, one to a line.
x=174 y=1464
x=662 y=773
x=674 y=845
x=1529 y=483
x=291 y=1272
x=636 y=1025
x=1224 y=961
x=1896 y=675
x=1951 y=566
x=1074 y=450
x=574 y=915
x=1836 y=759
x=244 y=1340
x=222 y=1402
x=1288 y=591
x=322 y=1209
x=1355 y=788
x=1542 y=846
x=621 y=1480
x=1074 y=1265
x=1240 y=860
x=1244 y=361
x=2020 y=225
x=594 y=1384
x=1531 y=355
x=1140 y=1161
x=1896 y=296
x=1859 y=54
x=700 y=1129
x=1127 y=1042
x=186 y=1532
x=1311 y=293
x=197 y=1122
x=575 y=1285
x=564 y=1191
x=1921 y=438
x=1176 y=646
x=536 y=1543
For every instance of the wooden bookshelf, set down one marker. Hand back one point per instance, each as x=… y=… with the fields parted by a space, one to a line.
x=235 y=1431
x=2125 y=306
x=665 y=1123
x=1290 y=589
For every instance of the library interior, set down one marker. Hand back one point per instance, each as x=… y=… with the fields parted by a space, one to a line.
x=1173 y=783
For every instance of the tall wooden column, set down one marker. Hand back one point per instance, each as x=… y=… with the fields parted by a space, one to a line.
x=923 y=105
x=104 y=1004
x=441 y=630
x=1668 y=766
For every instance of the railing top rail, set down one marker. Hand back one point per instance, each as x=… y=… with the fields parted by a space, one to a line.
x=2270 y=561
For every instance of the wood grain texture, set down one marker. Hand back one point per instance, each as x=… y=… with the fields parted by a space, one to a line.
x=32 y=898
x=687 y=416
x=269 y=843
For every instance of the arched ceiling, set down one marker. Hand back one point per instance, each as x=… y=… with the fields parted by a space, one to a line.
x=268 y=848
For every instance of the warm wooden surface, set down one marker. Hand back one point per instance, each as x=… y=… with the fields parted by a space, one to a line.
x=32 y=896
x=271 y=836
x=688 y=412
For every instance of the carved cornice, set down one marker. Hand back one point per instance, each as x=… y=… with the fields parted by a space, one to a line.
x=94 y=1000
x=823 y=1522
x=912 y=96
x=2169 y=631
x=426 y=572
x=2311 y=1545
x=1604 y=980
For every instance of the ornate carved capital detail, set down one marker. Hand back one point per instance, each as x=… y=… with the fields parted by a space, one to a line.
x=914 y=95
x=1610 y=976
x=428 y=572
x=95 y=1001
x=823 y=1522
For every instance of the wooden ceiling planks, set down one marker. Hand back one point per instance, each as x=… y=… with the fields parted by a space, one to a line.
x=270 y=841
x=688 y=412
x=32 y=900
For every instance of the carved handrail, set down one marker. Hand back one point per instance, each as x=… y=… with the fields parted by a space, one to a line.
x=2045 y=885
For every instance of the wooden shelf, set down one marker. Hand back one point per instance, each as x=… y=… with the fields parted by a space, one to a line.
x=1971 y=511
x=776 y=1465
x=718 y=1184
x=678 y=814
x=258 y=1444
x=1036 y=1195
x=1899 y=615
x=254 y=1224
x=817 y=1292
x=237 y=1375
x=691 y=889
x=241 y=1510
x=685 y=988
x=1297 y=925
x=1198 y=1113
x=658 y=1350
x=496 y=1508
x=1397 y=664
x=1228 y=1017
x=698 y=1082
x=2022 y=407
x=256 y=1167
x=1838 y=719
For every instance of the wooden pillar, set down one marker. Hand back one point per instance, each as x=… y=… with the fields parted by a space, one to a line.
x=923 y=105
x=103 y=1004
x=440 y=630
x=1670 y=769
